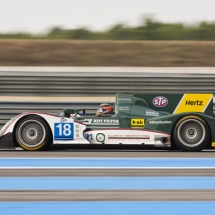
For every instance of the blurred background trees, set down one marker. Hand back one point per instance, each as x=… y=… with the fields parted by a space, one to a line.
x=148 y=30
x=152 y=43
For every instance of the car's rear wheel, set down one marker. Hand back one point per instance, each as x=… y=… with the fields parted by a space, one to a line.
x=33 y=134
x=191 y=133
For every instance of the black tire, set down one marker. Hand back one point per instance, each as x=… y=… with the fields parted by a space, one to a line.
x=191 y=134
x=33 y=134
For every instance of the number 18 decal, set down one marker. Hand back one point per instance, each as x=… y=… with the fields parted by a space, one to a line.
x=63 y=131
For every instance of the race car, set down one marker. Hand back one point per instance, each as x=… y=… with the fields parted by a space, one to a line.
x=182 y=121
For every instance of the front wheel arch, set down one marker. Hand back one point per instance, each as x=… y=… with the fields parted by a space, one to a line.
x=32 y=116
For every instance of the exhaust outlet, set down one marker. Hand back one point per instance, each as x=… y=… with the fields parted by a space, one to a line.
x=164 y=140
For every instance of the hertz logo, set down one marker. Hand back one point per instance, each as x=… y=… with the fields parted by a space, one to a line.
x=193 y=103
x=197 y=102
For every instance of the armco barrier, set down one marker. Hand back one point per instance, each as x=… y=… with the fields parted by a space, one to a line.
x=10 y=109
x=93 y=81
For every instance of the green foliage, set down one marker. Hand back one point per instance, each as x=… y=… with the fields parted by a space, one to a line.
x=148 y=30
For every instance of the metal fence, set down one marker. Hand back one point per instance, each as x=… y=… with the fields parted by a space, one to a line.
x=93 y=81
x=10 y=109
x=103 y=81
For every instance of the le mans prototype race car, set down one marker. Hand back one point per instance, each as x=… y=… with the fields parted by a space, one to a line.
x=185 y=121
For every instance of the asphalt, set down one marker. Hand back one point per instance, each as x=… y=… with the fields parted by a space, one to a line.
x=105 y=172
x=110 y=195
x=85 y=152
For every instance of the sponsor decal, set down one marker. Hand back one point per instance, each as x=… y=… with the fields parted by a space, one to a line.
x=190 y=102
x=100 y=137
x=124 y=99
x=128 y=137
x=63 y=131
x=193 y=103
x=89 y=136
x=137 y=122
x=123 y=108
x=160 y=101
x=160 y=122
x=151 y=113
x=102 y=121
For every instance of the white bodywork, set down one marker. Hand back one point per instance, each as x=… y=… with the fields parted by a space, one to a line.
x=127 y=136
x=105 y=135
x=51 y=119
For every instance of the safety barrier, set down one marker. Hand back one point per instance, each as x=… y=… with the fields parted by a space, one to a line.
x=10 y=109
x=73 y=81
x=93 y=81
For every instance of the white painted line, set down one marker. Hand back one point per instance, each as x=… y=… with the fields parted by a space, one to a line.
x=60 y=69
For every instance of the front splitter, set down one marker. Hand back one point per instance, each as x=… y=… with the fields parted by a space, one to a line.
x=6 y=141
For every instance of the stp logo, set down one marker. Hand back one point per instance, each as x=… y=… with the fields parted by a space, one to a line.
x=160 y=101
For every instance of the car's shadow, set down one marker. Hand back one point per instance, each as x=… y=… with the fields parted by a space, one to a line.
x=91 y=147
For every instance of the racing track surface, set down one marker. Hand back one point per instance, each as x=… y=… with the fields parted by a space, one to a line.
x=197 y=193
x=105 y=151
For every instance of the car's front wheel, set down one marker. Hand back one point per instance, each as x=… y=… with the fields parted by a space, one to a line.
x=191 y=133
x=33 y=134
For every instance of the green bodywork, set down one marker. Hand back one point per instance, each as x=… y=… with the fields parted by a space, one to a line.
x=139 y=107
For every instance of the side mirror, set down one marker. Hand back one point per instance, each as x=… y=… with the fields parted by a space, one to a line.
x=67 y=112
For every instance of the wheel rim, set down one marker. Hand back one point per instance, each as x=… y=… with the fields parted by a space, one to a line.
x=31 y=133
x=191 y=133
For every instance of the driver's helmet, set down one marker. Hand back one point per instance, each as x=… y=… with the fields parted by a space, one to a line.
x=104 y=109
